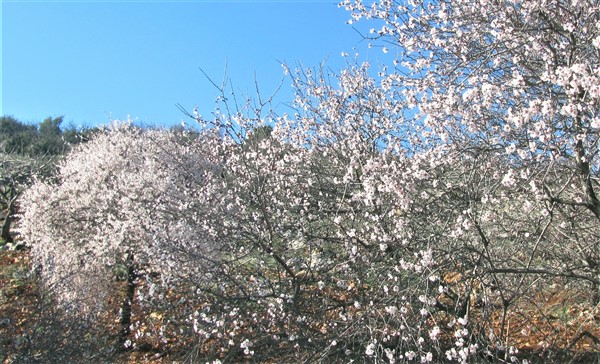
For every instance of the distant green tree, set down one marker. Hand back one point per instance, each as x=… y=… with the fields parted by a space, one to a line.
x=16 y=136
x=49 y=140
x=51 y=126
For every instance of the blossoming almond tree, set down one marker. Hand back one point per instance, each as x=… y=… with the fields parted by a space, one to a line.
x=328 y=255
x=125 y=199
x=479 y=145
x=510 y=90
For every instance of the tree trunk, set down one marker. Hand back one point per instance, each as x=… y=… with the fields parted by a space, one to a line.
x=595 y=298
x=9 y=211
x=127 y=302
x=5 y=235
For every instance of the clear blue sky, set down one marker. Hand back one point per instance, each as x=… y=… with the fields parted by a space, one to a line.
x=93 y=61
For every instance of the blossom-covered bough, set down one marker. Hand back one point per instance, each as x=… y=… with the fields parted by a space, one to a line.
x=394 y=217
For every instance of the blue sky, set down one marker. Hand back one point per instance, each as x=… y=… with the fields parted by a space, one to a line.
x=93 y=61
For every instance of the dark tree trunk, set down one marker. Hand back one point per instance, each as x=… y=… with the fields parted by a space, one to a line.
x=595 y=299
x=10 y=198
x=127 y=302
x=6 y=228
